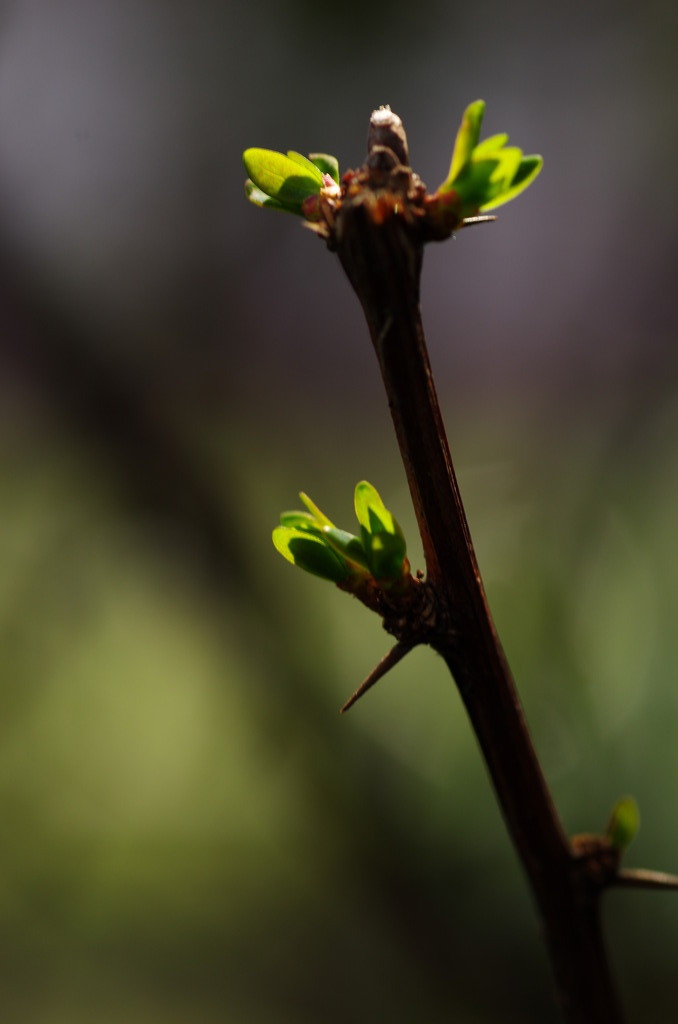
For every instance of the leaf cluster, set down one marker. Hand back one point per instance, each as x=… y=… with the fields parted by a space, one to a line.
x=485 y=175
x=482 y=175
x=310 y=540
x=285 y=182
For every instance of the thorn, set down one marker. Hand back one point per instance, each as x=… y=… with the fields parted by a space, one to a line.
x=638 y=878
x=484 y=218
x=385 y=665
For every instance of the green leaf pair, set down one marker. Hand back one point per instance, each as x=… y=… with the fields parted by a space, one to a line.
x=311 y=541
x=286 y=182
x=487 y=174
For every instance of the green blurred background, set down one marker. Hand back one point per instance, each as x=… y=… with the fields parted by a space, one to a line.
x=190 y=830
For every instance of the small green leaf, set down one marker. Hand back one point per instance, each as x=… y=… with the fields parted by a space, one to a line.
x=326 y=164
x=467 y=139
x=508 y=161
x=473 y=186
x=489 y=145
x=371 y=512
x=310 y=552
x=488 y=177
x=528 y=169
x=347 y=545
x=382 y=538
x=282 y=178
x=259 y=198
x=301 y=521
x=624 y=822
x=307 y=164
x=320 y=517
x=386 y=555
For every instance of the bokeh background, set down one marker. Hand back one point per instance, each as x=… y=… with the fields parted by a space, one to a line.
x=190 y=832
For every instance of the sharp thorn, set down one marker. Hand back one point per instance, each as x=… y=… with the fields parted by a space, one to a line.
x=638 y=878
x=385 y=665
x=483 y=218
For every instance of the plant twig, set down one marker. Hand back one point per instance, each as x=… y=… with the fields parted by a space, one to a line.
x=382 y=256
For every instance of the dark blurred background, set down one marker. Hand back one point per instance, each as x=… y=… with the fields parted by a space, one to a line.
x=190 y=830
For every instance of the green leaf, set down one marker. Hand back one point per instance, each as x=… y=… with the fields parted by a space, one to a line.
x=484 y=175
x=310 y=552
x=529 y=168
x=315 y=511
x=315 y=523
x=624 y=822
x=326 y=164
x=282 y=178
x=347 y=545
x=386 y=555
x=301 y=521
x=473 y=186
x=371 y=512
x=489 y=145
x=382 y=538
x=508 y=161
x=467 y=139
x=482 y=180
x=259 y=198
x=307 y=164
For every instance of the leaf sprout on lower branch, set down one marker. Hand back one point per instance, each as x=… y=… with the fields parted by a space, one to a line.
x=310 y=540
x=372 y=566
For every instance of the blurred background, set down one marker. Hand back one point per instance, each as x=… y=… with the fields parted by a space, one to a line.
x=190 y=830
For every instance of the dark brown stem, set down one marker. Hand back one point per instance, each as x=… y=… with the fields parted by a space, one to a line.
x=382 y=256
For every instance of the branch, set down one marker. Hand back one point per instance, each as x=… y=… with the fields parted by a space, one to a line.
x=379 y=235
